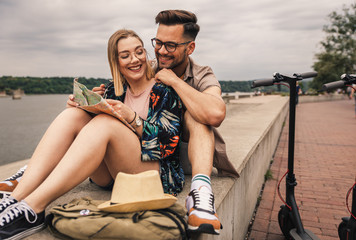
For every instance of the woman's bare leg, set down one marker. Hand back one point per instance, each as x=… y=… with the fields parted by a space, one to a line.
x=52 y=147
x=103 y=137
x=102 y=176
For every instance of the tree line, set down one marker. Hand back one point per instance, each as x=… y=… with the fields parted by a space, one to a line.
x=45 y=85
x=64 y=85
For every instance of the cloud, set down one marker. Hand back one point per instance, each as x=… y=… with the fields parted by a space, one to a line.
x=240 y=40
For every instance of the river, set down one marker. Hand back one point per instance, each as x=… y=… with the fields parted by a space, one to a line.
x=24 y=121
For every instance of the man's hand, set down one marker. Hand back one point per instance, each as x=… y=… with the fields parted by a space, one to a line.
x=167 y=76
x=99 y=90
x=70 y=102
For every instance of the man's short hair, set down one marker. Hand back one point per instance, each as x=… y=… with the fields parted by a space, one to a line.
x=186 y=18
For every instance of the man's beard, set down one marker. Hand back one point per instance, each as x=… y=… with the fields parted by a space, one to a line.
x=173 y=64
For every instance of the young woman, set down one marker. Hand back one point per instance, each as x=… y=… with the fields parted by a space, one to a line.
x=77 y=145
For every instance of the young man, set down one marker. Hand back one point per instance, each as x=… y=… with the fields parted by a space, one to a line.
x=200 y=93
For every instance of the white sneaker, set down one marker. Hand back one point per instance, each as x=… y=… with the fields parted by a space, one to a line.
x=202 y=217
x=9 y=184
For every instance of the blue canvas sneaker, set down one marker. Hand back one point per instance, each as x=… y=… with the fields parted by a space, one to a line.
x=19 y=220
x=5 y=202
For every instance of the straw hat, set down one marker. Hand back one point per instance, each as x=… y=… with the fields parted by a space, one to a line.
x=137 y=192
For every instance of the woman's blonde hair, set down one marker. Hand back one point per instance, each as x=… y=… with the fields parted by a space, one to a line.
x=113 y=57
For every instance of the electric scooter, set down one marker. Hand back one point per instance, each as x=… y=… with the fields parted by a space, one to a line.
x=288 y=217
x=346 y=80
x=347 y=228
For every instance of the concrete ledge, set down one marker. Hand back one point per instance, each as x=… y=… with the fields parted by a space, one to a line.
x=251 y=131
x=251 y=134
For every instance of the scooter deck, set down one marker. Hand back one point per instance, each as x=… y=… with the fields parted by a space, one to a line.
x=310 y=236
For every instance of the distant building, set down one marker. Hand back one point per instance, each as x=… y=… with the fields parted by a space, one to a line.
x=17 y=94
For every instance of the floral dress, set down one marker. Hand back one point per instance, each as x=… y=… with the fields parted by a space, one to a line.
x=161 y=133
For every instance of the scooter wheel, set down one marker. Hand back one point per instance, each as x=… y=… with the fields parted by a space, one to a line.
x=344 y=231
x=285 y=221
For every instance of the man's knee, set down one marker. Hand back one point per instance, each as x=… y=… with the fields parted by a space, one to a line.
x=193 y=128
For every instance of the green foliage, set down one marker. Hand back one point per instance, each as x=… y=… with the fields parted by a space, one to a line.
x=236 y=86
x=64 y=85
x=52 y=85
x=339 y=48
x=268 y=175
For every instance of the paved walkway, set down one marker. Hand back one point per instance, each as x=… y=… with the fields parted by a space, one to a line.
x=325 y=168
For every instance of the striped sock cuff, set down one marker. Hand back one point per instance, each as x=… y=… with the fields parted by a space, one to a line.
x=201 y=177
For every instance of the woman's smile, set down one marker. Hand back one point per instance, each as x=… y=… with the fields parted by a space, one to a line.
x=135 y=68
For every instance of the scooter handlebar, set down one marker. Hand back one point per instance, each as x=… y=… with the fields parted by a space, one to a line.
x=263 y=82
x=348 y=77
x=308 y=75
x=333 y=85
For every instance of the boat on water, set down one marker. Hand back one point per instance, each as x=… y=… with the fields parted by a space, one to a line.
x=17 y=94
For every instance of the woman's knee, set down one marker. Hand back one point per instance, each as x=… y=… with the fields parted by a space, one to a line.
x=75 y=114
x=105 y=120
x=107 y=123
x=74 y=117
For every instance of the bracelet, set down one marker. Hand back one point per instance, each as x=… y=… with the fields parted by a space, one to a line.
x=133 y=119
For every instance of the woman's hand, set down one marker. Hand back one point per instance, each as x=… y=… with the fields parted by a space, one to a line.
x=70 y=102
x=99 y=90
x=124 y=111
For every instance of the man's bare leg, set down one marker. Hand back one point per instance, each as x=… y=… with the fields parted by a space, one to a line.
x=200 y=202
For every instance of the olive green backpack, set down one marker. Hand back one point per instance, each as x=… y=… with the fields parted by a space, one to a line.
x=81 y=219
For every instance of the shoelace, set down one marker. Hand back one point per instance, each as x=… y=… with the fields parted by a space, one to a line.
x=18 y=174
x=14 y=211
x=5 y=202
x=203 y=200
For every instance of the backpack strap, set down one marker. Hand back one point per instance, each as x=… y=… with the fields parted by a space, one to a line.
x=183 y=232
x=170 y=214
x=181 y=219
x=136 y=217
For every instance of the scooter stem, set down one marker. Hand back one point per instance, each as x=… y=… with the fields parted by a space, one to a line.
x=292 y=105
x=353 y=208
x=290 y=180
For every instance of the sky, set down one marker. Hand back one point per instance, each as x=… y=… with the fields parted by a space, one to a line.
x=239 y=39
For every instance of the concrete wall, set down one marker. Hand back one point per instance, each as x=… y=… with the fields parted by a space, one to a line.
x=248 y=186
x=237 y=206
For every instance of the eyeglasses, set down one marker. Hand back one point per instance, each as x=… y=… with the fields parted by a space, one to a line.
x=140 y=53
x=170 y=46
